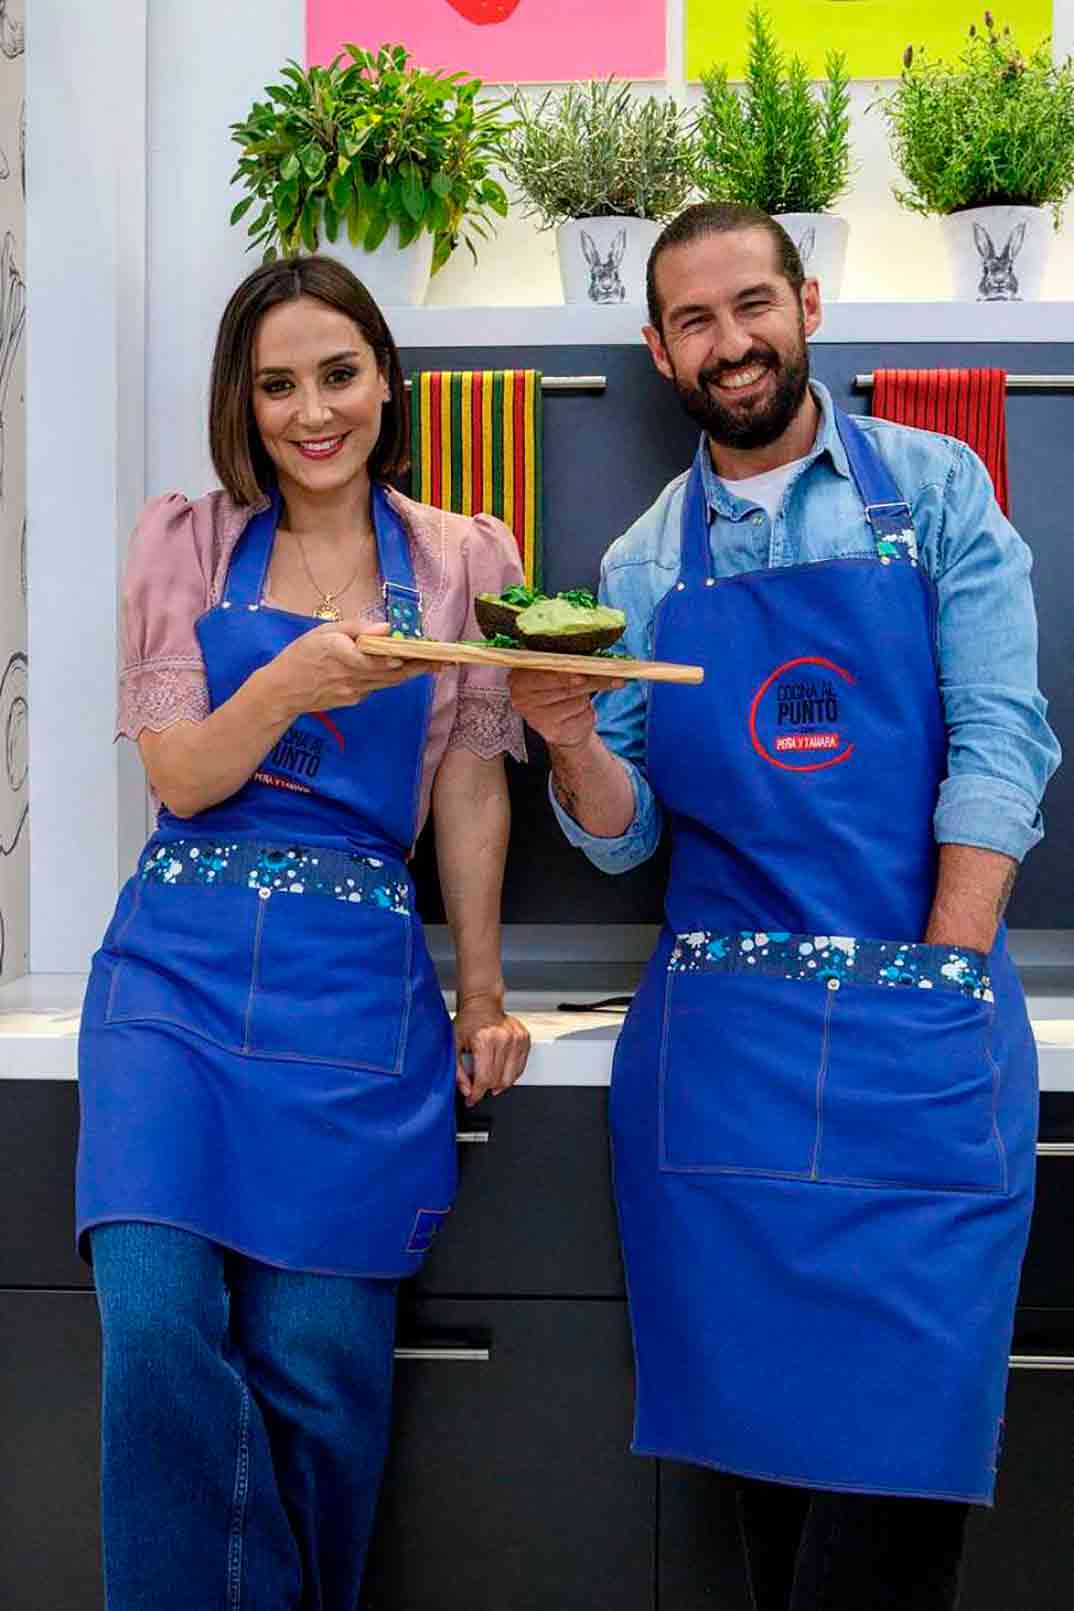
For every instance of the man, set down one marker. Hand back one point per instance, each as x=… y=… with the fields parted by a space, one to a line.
x=824 y=1100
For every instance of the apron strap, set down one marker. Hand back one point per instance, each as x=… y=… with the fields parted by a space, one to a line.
x=402 y=598
x=886 y=509
x=250 y=562
x=696 y=542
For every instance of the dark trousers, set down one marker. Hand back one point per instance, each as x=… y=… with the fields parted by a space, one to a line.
x=808 y=1550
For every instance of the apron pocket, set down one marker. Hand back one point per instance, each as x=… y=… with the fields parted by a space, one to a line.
x=741 y=1067
x=910 y=1090
x=331 y=983
x=184 y=956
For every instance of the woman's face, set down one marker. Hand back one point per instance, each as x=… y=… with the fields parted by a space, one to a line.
x=317 y=394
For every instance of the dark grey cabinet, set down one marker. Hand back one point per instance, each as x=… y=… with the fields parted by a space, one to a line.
x=49 y=1369
x=1021 y=1554
x=509 y=1482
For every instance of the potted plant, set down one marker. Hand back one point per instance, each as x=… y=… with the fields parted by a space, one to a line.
x=989 y=145
x=776 y=144
x=389 y=164
x=605 y=170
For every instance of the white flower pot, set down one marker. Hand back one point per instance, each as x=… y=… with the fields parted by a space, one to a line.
x=602 y=260
x=997 y=254
x=821 y=239
x=395 y=277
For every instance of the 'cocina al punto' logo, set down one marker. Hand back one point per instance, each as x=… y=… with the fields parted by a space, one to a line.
x=797 y=714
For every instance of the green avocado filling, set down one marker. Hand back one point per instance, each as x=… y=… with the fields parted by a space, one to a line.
x=561 y=618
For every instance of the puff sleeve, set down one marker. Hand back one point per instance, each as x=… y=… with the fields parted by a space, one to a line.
x=167 y=584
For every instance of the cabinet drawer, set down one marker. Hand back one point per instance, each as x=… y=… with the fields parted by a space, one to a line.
x=535 y=1214
x=49 y=1365
x=510 y=1483
x=1048 y=1270
x=38 y=1141
x=1020 y=1556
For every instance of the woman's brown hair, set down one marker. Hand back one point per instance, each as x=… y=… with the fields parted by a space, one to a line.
x=239 y=456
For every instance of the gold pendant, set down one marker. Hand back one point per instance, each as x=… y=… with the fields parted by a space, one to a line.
x=327 y=612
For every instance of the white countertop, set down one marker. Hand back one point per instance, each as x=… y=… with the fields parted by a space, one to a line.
x=39 y=1030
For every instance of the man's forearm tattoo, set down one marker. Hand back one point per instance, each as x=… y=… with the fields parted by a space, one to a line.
x=565 y=795
x=1005 y=893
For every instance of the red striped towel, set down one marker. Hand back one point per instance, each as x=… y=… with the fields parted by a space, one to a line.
x=968 y=403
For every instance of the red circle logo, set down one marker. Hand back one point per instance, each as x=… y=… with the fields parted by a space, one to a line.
x=810 y=713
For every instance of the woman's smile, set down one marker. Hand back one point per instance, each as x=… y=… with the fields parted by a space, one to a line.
x=321 y=447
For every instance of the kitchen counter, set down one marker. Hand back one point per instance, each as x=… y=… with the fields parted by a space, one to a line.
x=39 y=1030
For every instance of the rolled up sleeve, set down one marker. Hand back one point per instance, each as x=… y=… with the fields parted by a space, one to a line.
x=621 y=724
x=630 y=849
x=1001 y=751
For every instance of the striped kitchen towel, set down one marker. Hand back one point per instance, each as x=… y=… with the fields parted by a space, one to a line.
x=476 y=448
x=968 y=403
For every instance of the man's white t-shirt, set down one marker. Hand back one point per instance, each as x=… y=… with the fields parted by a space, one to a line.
x=766 y=489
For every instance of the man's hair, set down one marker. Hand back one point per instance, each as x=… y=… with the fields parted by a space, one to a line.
x=721 y=218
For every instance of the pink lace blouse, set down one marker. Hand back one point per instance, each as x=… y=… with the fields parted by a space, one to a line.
x=176 y=568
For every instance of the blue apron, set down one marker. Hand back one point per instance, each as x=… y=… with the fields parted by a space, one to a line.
x=823 y=1129
x=265 y=1056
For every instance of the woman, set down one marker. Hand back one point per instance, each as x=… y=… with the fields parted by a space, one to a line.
x=267 y=1067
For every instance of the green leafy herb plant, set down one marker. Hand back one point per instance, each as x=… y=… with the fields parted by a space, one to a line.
x=774 y=142
x=367 y=144
x=595 y=151
x=994 y=129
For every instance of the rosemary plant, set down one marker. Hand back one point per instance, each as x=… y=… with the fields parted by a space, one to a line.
x=774 y=143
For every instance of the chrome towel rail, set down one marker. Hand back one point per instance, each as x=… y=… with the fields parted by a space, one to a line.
x=1015 y=383
x=446 y=1354
x=565 y=383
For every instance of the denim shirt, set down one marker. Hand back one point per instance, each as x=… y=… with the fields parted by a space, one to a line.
x=1001 y=751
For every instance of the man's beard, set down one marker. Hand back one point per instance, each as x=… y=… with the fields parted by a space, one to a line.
x=751 y=427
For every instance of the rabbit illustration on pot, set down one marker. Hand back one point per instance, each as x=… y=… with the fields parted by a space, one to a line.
x=998 y=283
x=604 y=282
x=807 y=245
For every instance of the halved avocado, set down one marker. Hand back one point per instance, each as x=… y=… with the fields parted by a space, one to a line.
x=557 y=626
x=494 y=617
x=497 y=613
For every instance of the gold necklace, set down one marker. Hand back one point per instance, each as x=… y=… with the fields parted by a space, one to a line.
x=326 y=610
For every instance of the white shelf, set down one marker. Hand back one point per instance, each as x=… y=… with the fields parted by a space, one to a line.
x=620 y=326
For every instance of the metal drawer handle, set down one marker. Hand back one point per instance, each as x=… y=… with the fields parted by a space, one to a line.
x=465 y=1356
x=1055 y=1149
x=1042 y=1361
x=474 y=1137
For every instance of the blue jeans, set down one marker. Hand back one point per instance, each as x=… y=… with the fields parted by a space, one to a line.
x=245 y=1417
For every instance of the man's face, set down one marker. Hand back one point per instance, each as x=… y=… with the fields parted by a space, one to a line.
x=734 y=336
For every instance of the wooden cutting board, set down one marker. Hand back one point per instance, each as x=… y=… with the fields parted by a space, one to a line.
x=582 y=665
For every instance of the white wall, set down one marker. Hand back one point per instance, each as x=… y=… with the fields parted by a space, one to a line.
x=130 y=261
x=85 y=83
x=207 y=62
x=14 y=735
